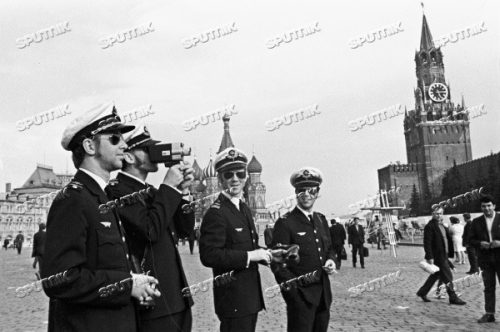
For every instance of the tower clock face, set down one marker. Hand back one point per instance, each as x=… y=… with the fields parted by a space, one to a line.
x=438 y=92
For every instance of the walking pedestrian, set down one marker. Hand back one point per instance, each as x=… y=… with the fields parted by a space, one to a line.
x=471 y=250
x=338 y=237
x=357 y=239
x=38 y=248
x=19 y=242
x=438 y=247
x=485 y=237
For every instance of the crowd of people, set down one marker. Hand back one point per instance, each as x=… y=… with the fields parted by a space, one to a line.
x=139 y=241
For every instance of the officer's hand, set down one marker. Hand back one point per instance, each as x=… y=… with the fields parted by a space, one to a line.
x=142 y=289
x=188 y=173
x=260 y=255
x=329 y=267
x=485 y=245
x=174 y=176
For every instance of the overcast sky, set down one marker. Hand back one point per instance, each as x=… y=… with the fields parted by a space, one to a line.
x=240 y=69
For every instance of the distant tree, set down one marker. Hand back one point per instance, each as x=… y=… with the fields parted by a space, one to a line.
x=414 y=202
x=427 y=200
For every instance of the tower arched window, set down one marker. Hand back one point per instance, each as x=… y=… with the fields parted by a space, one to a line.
x=423 y=56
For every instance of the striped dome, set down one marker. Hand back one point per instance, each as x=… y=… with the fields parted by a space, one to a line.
x=198 y=172
x=209 y=171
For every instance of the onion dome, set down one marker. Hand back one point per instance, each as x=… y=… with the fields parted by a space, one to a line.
x=209 y=171
x=254 y=166
x=198 y=172
x=201 y=187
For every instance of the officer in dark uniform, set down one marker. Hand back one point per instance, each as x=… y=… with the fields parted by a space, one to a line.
x=229 y=241
x=150 y=226
x=89 y=246
x=308 y=306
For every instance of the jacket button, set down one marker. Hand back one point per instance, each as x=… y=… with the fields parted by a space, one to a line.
x=127 y=256
x=319 y=249
x=314 y=231
x=123 y=238
x=317 y=240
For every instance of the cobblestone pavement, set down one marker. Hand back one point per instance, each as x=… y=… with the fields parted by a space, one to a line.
x=380 y=310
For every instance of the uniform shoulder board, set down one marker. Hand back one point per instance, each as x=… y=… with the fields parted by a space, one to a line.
x=286 y=215
x=63 y=193
x=215 y=205
x=320 y=214
x=113 y=182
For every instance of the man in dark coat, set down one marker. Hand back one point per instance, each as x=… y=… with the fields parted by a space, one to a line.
x=149 y=225
x=87 y=246
x=307 y=306
x=471 y=251
x=38 y=248
x=268 y=236
x=357 y=239
x=229 y=241
x=338 y=236
x=485 y=237
x=19 y=242
x=438 y=246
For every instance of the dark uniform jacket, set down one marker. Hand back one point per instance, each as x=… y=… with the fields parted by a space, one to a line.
x=479 y=233
x=356 y=234
x=434 y=243
x=38 y=243
x=337 y=234
x=90 y=246
x=226 y=236
x=315 y=249
x=150 y=226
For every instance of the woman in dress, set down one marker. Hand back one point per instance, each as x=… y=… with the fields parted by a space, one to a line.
x=457 y=230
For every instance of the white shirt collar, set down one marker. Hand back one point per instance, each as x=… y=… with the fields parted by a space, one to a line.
x=100 y=181
x=134 y=177
x=307 y=214
x=234 y=199
x=492 y=217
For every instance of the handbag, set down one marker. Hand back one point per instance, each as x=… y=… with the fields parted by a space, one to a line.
x=430 y=268
x=343 y=254
x=366 y=252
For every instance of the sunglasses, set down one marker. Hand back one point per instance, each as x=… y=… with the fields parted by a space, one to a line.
x=311 y=191
x=229 y=174
x=113 y=138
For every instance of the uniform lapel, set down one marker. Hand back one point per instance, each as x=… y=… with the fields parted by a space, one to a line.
x=92 y=186
x=302 y=217
x=233 y=208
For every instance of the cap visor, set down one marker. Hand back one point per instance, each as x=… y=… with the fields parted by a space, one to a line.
x=120 y=127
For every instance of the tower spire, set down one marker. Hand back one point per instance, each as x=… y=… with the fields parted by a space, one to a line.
x=426 y=41
x=226 y=142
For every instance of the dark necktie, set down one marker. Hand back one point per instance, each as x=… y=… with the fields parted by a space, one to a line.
x=311 y=219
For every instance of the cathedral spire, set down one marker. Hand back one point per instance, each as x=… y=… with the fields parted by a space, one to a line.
x=426 y=41
x=226 y=142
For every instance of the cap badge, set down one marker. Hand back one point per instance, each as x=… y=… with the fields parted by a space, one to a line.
x=232 y=154
x=146 y=132
x=306 y=174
